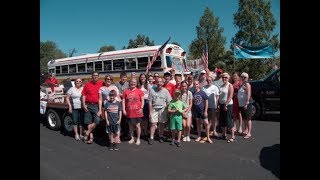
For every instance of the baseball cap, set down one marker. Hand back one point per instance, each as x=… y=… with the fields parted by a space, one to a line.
x=187 y=72
x=167 y=73
x=203 y=71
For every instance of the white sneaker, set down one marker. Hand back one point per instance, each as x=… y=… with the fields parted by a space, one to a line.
x=188 y=138
x=184 y=139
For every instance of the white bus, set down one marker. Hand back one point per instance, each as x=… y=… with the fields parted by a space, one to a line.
x=114 y=62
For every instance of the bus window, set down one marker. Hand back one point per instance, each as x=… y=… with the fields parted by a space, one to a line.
x=90 y=67
x=98 y=66
x=143 y=62
x=72 y=68
x=107 y=65
x=58 y=70
x=157 y=62
x=169 y=61
x=82 y=67
x=118 y=64
x=64 y=69
x=130 y=63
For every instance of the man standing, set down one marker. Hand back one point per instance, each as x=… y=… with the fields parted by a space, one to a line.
x=90 y=102
x=158 y=102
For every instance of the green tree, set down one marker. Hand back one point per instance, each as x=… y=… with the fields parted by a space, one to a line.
x=209 y=32
x=256 y=23
x=141 y=40
x=106 y=49
x=49 y=51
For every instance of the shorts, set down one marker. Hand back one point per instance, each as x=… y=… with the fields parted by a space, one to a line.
x=134 y=120
x=246 y=113
x=159 y=115
x=189 y=115
x=77 y=116
x=225 y=117
x=113 y=128
x=212 y=111
x=91 y=116
x=176 y=123
x=199 y=115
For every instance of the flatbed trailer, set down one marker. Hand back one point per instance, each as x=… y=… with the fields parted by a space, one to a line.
x=57 y=117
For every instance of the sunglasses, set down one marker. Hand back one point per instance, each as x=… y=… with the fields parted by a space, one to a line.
x=224 y=77
x=109 y=79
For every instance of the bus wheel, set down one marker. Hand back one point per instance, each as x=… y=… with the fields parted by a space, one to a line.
x=53 y=120
x=256 y=111
x=67 y=123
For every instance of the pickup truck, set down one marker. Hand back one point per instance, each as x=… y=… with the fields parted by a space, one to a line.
x=266 y=95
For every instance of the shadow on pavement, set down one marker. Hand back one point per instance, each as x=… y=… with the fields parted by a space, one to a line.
x=270 y=159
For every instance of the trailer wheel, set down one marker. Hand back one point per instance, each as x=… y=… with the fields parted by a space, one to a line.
x=53 y=120
x=67 y=123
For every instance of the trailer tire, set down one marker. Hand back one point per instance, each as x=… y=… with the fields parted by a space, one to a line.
x=53 y=120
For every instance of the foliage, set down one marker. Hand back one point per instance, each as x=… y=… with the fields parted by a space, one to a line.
x=255 y=22
x=209 y=32
x=106 y=49
x=49 y=51
x=141 y=40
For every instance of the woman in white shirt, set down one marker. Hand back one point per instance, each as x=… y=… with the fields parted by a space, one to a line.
x=226 y=104
x=212 y=92
x=245 y=103
x=74 y=103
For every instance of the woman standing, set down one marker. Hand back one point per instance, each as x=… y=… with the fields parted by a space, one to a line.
x=133 y=103
x=236 y=111
x=75 y=108
x=145 y=88
x=104 y=97
x=245 y=103
x=186 y=97
x=226 y=103
x=212 y=92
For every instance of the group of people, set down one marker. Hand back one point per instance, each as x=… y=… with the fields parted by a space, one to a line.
x=149 y=103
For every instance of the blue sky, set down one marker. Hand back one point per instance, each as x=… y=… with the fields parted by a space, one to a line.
x=87 y=25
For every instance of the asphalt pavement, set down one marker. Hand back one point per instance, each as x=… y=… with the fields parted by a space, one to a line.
x=61 y=157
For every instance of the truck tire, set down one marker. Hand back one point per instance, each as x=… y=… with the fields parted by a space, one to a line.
x=53 y=120
x=256 y=111
x=67 y=123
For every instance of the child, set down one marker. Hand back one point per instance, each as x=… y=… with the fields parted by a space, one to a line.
x=113 y=114
x=176 y=108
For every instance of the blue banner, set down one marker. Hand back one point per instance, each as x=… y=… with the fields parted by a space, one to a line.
x=253 y=52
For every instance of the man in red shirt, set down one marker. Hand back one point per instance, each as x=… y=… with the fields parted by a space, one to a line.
x=90 y=100
x=169 y=86
x=51 y=81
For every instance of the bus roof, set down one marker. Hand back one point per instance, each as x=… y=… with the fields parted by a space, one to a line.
x=111 y=53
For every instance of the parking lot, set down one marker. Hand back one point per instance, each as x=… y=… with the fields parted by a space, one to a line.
x=61 y=157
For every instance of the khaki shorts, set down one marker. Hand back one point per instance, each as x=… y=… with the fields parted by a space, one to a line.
x=159 y=115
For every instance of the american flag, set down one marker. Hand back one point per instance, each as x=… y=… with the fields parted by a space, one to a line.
x=204 y=56
x=156 y=54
